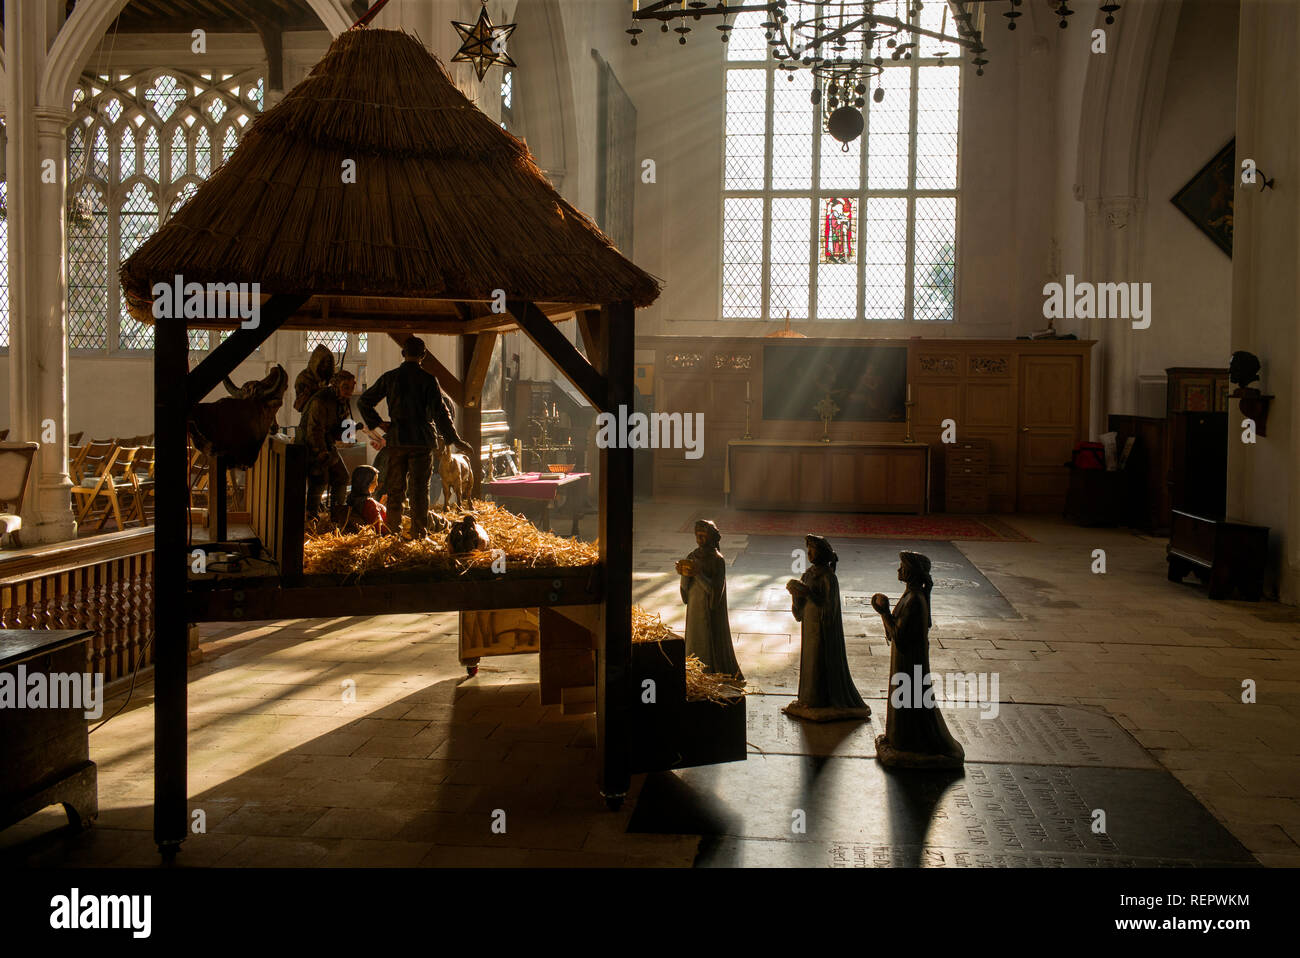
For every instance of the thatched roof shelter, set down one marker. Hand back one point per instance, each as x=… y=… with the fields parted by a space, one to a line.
x=446 y=207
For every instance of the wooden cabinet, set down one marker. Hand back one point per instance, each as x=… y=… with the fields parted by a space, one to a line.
x=1050 y=415
x=1028 y=400
x=828 y=477
x=966 y=485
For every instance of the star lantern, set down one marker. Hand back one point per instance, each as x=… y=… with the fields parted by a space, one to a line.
x=484 y=44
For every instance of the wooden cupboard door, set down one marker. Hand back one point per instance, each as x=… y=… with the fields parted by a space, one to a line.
x=907 y=482
x=873 y=480
x=813 y=478
x=1049 y=417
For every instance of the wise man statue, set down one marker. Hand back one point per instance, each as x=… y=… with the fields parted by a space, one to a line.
x=915 y=733
x=704 y=590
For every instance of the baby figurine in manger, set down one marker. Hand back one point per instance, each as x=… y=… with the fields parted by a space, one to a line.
x=915 y=733
x=826 y=689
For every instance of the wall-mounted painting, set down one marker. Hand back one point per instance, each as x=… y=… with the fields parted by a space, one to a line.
x=1206 y=200
x=868 y=383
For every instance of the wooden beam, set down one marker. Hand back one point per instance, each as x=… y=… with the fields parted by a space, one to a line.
x=432 y=365
x=221 y=362
x=589 y=328
x=325 y=596
x=478 y=368
x=615 y=693
x=564 y=354
x=471 y=412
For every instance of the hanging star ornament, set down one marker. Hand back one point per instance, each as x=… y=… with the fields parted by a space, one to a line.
x=484 y=44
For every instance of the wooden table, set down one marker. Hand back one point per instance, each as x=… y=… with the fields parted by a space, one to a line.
x=45 y=752
x=834 y=476
x=529 y=487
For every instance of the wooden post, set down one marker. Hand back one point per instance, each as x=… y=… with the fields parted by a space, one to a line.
x=171 y=642
x=615 y=695
x=217 y=518
x=471 y=410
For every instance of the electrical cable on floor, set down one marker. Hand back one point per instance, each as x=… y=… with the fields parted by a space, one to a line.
x=135 y=672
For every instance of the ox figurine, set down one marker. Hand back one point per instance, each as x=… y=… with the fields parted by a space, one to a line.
x=235 y=428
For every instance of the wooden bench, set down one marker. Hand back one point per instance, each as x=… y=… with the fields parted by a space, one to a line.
x=1226 y=552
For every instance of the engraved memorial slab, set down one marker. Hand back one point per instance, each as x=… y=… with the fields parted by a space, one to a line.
x=1025 y=734
x=855 y=813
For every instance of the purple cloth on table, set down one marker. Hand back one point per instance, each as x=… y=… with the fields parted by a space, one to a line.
x=529 y=486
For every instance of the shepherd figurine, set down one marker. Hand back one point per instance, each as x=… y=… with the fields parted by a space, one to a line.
x=826 y=689
x=704 y=590
x=915 y=733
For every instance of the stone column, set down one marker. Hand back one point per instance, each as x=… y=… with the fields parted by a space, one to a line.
x=1111 y=255
x=1265 y=293
x=49 y=313
x=38 y=359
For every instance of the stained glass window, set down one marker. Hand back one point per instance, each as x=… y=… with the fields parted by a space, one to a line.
x=812 y=228
x=837 y=228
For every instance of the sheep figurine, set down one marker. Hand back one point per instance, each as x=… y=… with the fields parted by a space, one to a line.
x=457 y=476
x=467 y=535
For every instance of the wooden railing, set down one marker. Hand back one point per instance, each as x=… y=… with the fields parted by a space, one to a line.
x=277 y=501
x=103 y=583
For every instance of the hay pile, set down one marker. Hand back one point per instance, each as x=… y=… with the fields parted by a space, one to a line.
x=359 y=553
x=699 y=684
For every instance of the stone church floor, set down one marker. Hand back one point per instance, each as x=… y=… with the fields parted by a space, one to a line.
x=1119 y=690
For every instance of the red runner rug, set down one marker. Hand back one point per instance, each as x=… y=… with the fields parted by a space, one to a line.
x=947 y=528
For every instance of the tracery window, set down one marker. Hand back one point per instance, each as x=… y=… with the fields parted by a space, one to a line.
x=138 y=147
x=814 y=230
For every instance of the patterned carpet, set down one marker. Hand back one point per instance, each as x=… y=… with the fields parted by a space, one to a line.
x=946 y=528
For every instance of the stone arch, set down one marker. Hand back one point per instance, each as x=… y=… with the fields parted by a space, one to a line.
x=1119 y=117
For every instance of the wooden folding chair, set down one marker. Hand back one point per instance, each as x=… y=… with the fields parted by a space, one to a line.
x=76 y=453
x=117 y=483
x=15 y=469
x=93 y=460
x=141 y=475
x=75 y=438
x=110 y=480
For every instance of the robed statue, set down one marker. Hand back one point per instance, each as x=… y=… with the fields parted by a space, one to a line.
x=826 y=689
x=915 y=733
x=704 y=590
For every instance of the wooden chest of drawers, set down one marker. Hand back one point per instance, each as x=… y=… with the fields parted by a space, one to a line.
x=966 y=479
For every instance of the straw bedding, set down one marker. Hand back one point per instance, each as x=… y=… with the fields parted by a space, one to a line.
x=357 y=554
x=648 y=627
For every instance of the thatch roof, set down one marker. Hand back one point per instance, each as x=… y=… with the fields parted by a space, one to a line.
x=446 y=205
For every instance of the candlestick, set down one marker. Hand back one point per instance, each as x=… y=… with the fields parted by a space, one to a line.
x=908 y=406
x=746 y=388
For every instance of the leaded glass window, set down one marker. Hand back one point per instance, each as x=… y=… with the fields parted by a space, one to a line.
x=138 y=147
x=814 y=229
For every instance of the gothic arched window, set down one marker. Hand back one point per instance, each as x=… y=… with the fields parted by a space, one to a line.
x=138 y=146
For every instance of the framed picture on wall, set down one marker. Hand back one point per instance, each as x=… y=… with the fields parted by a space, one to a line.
x=1206 y=200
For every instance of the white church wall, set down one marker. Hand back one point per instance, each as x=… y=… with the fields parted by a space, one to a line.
x=1191 y=278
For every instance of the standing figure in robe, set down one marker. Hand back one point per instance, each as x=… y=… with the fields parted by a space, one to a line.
x=704 y=590
x=826 y=689
x=915 y=733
